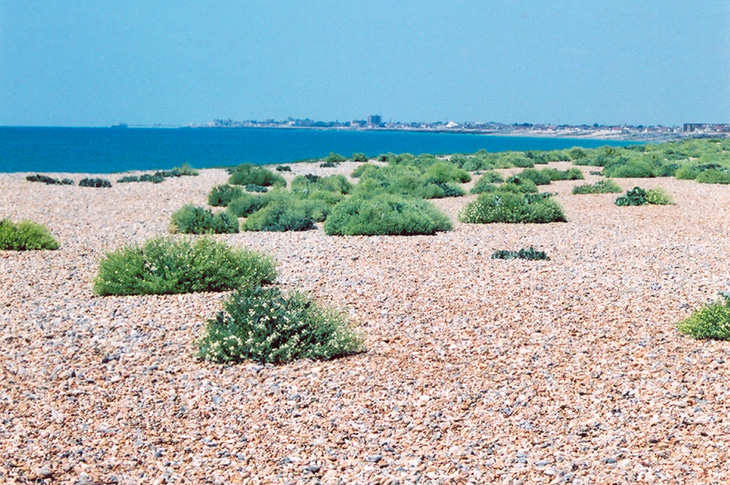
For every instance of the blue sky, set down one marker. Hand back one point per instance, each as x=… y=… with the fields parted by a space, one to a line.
x=99 y=62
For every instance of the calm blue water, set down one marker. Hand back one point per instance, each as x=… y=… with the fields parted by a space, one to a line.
x=106 y=150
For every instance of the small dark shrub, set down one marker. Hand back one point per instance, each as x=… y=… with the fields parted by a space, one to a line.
x=335 y=158
x=263 y=325
x=155 y=178
x=712 y=321
x=25 y=236
x=635 y=196
x=511 y=208
x=524 y=253
x=95 y=182
x=600 y=187
x=48 y=180
x=283 y=168
x=359 y=157
x=385 y=214
x=247 y=174
x=165 y=265
x=222 y=195
x=191 y=219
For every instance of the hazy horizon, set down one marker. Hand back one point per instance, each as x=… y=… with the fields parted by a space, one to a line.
x=97 y=63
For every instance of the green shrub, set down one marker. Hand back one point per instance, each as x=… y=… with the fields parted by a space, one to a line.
x=282 y=214
x=538 y=177
x=263 y=325
x=486 y=182
x=658 y=196
x=600 y=187
x=247 y=204
x=166 y=265
x=446 y=172
x=359 y=157
x=305 y=184
x=632 y=169
x=255 y=188
x=713 y=177
x=519 y=185
x=530 y=253
x=222 y=195
x=25 y=236
x=248 y=174
x=48 y=180
x=635 y=196
x=155 y=178
x=385 y=214
x=712 y=321
x=192 y=219
x=511 y=208
x=554 y=174
x=95 y=182
x=185 y=170
x=359 y=171
x=335 y=158
x=283 y=168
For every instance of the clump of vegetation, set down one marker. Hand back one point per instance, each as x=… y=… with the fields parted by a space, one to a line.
x=248 y=174
x=166 y=265
x=486 y=182
x=639 y=196
x=530 y=253
x=283 y=168
x=332 y=160
x=184 y=170
x=537 y=176
x=712 y=321
x=282 y=214
x=246 y=204
x=385 y=214
x=222 y=195
x=600 y=187
x=255 y=188
x=409 y=180
x=511 y=207
x=264 y=325
x=94 y=182
x=155 y=178
x=48 y=180
x=25 y=236
x=192 y=219
x=714 y=177
x=359 y=157
x=306 y=184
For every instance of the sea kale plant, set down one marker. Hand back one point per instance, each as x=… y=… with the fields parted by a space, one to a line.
x=264 y=325
x=167 y=265
x=530 y=254
x=94 y=182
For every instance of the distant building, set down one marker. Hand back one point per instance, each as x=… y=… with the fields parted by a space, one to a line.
x=375 y=120
x=706 y=127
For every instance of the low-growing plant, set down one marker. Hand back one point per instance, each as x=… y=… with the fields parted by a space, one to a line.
x=530 y=253
x=359 y=157
x=248 y=174
x=181 y=265
x=658 y=196
x=713 y=176
x=222 y=195
x=385 y=214
x=285 y=214
x=185 y=170
x=155 y=178
x=511 y=208
x=283 y=168
x=191 y=219
x=635 y=196
x=247 y=204
x=554 y=174
x=266 y=326
x=25 y=236
x=94 y=182
x=48 y=180
x=255 y=188
x=600 y=187
x=711 y=321
x=539 y=177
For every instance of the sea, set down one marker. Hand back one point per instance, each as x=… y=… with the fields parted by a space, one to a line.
x=110 y=150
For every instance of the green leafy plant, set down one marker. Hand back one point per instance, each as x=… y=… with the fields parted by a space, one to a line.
x=539 y=177
x=283 y=168
x=246 y=204
x=264 y=325
x=25 y=236
x=167 y=265
x=511 y=208
x=255 y=188
x=359 y=157
x=713 y=176
x=246 y=174
x=155 y=178
x=600 y=187
x=530 y=253
x=658 y=196
x=48 y=180
x=385 y=214
x=711 y=321
x=282 y=214
x=635 y=196
x=94 y=182
x=192 y=219
x=222 y=195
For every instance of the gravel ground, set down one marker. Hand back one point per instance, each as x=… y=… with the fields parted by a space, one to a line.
x=476 y=370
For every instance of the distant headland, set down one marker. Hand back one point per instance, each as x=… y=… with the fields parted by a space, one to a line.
x=596 y=131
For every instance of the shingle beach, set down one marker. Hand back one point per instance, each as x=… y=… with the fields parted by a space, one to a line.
x=476 y=370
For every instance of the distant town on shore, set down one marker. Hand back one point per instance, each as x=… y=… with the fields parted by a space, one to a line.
x=608 y=132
